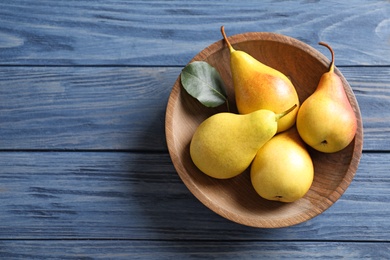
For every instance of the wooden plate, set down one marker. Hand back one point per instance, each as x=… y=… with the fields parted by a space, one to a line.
x=235 y=199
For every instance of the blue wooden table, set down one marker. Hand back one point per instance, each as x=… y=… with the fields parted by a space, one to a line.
x=84 y=167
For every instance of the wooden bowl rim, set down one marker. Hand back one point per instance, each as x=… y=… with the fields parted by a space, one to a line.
x=198 y=193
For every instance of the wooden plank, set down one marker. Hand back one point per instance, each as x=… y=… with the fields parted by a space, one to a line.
x=108 y=249
x=124 y=108
x=372 y=90
x=160 y=33
x=139 y=196
x=84 y=108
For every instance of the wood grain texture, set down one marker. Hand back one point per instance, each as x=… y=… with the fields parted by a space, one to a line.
x=191 y=250
x=139 y=196
x=171 y=33
x=124 y=108
x=84 y=108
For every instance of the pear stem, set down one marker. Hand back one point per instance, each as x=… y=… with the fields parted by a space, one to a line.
x=279 y=116
x=331 y=69
x=226 y=40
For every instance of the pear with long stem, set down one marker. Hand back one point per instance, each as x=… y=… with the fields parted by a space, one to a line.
x=258 y=86
x=326 y=120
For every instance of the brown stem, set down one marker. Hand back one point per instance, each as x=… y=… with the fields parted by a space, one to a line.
x=226 y=40
x=331 y=69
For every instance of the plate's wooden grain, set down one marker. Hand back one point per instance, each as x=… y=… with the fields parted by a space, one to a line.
x=235 y=199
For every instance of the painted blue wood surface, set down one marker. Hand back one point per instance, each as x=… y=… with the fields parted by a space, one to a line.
x=84 y=168
x=128 y=249
x=124 y=107
x=74 y=195
x=171 y=33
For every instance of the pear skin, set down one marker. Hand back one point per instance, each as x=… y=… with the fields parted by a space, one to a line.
x=283 y=169
x=225 y=144
x=326 y=120
x=258 y=86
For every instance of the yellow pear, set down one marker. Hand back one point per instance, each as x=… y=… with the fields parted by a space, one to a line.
x=225 y=144
x=282 y=169
x=258 y=86
x=326 y=120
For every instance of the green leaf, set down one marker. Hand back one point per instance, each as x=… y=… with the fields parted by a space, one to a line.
x=203 y=82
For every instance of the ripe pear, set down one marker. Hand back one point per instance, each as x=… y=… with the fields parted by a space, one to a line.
x=225 y=144
x=258 y=86
x=283 y=169
x=326 y=120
